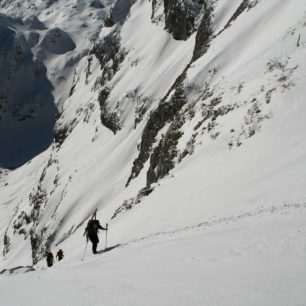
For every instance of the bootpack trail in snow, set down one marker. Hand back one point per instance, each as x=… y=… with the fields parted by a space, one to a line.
x=286 y=208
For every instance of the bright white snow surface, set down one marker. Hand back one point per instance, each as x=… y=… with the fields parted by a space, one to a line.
x=227 y=226
x=257 y=258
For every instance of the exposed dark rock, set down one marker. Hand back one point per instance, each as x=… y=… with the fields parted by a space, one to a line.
x=162 y=158
x=108 y=119
x=57 y=41
x=180 y=17
x=154 y=5
x=130 y=203
x=7 y=244
x=204 y=34
x=242 y=7
x=61 y=132
x=23 y=219
x=109 y=21
x=17 y=270
x=165 y=113
x=8 y=21
x=96 y=4
x=49 y=240
x=245 y=5
x=36 y=199
x=142 y=105
x=32 y=39
x=269 y=95
x=189 y=148
x=110 y=56
x=35 y=243
x=119 y=12
x=34 y=23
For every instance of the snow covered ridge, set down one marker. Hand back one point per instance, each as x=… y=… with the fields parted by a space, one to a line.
x=170 y=113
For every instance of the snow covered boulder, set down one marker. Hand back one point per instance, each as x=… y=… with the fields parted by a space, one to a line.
x=34 y=23
x=57 y=41
x=96 y=4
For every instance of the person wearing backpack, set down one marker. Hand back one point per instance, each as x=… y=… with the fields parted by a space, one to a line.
x=91 y=231
x=49 y=258
x=60 y=255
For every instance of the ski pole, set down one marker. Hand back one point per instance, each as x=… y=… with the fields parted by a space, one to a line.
x=106 y=236
x=85 y=249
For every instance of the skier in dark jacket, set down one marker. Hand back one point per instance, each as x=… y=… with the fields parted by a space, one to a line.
x=60 y=255
x=49 y=258
x=91 y=231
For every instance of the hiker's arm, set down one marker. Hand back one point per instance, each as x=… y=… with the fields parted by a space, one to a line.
x=102 y=228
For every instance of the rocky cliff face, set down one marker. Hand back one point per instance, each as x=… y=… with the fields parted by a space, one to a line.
x=182 y=17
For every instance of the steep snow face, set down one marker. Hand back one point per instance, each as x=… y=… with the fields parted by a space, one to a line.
x=163 y=134
x=79 y=127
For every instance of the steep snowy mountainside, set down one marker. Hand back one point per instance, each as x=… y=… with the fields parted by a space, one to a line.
x=243 y=124
x=161 y=131
x=79 y=127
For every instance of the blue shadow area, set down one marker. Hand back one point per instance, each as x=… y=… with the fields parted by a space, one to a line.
x=27 y=109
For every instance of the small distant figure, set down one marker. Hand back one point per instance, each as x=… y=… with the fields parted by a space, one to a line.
x=50 y=258
x=91 y=231
x=60 y=255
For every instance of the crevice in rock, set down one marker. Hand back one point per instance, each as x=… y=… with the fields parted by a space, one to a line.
x=165 y=113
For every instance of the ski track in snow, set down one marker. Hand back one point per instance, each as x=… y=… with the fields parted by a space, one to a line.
x=231 y=260
x=202 y=226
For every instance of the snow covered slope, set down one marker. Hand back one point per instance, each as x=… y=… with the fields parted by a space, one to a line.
x=243 y=261
x=182 y=119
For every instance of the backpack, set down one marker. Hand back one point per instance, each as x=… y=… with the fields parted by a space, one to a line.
x=60 y=254
x=92 y=226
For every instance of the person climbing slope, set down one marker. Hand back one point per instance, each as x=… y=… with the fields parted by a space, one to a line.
x=49 y=258
x=60 y=255
x=91 y=231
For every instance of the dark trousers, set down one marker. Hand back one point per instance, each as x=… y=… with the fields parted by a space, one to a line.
x=94 y=247
x=94 y=240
